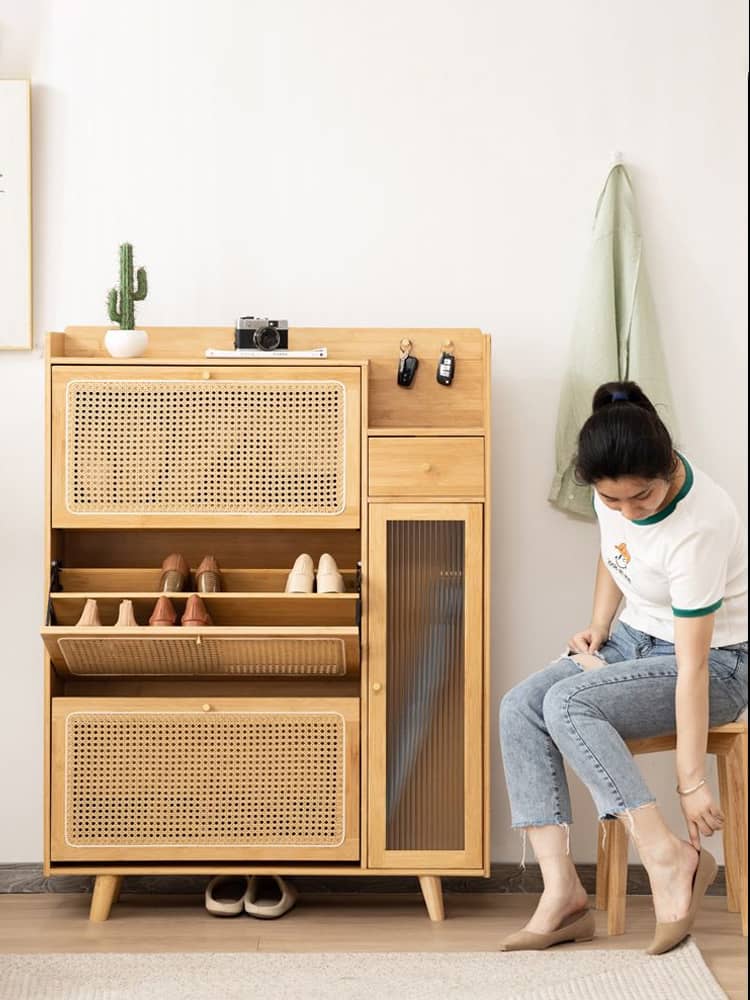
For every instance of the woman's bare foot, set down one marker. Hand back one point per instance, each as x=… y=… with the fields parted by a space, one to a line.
x=670 y=871
x=555 y=904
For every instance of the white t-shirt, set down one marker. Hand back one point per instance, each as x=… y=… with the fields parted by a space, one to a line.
x=688 y=560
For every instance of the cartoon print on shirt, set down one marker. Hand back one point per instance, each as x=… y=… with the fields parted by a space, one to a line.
x=621 y=561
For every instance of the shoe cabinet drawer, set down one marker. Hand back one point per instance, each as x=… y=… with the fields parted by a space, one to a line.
x=426 y=466
x=226 y=779
x=205 y=447
x=240 y=652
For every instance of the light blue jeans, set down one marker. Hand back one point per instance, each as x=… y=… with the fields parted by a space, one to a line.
x=585 y=716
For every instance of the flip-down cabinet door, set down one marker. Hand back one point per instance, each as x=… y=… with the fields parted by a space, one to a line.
x=147 y=446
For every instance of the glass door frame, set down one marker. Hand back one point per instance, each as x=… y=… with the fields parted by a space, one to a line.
x=379 y=856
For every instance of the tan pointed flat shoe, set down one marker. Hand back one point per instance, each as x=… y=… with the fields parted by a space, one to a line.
x=126 y=615
x=208 y=576
x=330 y=581
x=195 y=614
x=668 y=935
x=174 y=573
x=90 y=614
x=163 y=613
x=300 y=579
x=578 y=926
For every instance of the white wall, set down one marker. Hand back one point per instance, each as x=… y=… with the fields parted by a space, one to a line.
x=410 y=162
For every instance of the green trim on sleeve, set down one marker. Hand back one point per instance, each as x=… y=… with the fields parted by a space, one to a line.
x=699 y=612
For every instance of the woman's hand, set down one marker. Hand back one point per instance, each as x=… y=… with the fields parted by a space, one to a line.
x=702 y=814
x=589 y=640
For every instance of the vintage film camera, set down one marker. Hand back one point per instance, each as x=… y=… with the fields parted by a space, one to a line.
x=254 y=333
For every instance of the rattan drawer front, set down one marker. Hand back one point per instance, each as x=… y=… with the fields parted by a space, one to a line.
x=426 y=467
x=237 y=778
x=164 y=652
x=273 y=446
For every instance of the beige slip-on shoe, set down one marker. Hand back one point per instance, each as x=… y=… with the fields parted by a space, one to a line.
x=300 y=579
x=259 y=904
x=90 y=614
x=126 y=615
x=578 y=926
x=330 y=581
x=225 y=895
x=669 y=935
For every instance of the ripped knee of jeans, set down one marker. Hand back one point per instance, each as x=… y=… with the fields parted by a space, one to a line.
x=589 y=661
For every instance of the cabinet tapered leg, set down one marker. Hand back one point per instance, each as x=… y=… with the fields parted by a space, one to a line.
x=432 y=890
x=106 y=891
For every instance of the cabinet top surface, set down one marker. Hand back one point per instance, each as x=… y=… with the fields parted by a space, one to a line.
x=188 y=345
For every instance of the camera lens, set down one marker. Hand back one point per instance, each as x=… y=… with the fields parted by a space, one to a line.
x=267 y=339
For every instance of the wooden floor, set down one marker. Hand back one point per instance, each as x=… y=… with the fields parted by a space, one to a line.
x=46 y=922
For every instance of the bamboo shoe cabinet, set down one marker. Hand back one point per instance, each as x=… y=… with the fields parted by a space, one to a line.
x=341 y=733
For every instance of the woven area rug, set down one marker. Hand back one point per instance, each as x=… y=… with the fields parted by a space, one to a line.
x=556 y=975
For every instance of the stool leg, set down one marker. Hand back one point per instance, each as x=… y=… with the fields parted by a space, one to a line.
x=603 y=848
x=729 y=834
x=732 y=768
x=617 y=877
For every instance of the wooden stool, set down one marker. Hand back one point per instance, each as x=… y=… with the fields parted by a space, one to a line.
x=729 y=743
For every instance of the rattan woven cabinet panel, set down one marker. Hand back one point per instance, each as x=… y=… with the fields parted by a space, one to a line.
x=156 y=781
x=156 y=448
x=115 y=656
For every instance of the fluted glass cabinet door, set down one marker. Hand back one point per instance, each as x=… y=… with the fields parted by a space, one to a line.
x=425 y=685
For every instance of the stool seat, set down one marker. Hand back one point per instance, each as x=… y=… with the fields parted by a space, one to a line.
x=729 y=745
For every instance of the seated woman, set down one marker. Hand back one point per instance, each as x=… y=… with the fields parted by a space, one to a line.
x=673 y=545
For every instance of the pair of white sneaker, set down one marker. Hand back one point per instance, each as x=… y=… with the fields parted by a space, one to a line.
x=300 y=579
x=230 y=895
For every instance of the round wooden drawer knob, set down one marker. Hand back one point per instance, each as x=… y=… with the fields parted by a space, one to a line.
x=206 y=707
x=206 y=375
x=377 y=686
x=427 y=467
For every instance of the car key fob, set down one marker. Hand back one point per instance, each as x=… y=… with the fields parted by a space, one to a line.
x=407 y=369
x=446 y=368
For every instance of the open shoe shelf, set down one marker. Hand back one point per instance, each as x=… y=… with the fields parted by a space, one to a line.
x=269 y=610
x=146 y=581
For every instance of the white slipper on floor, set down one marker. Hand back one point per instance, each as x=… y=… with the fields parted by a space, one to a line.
x=225 y=895
x=259 y=904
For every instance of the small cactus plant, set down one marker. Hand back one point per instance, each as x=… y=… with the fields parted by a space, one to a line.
x=125 y=315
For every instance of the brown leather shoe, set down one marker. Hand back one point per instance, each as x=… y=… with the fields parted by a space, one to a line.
x=126 y=615
x=208 y=576
x=174 y=573
x=576 y=927
x=195 y=614
x=90 y=614
x=668 y=935
x=163 y=613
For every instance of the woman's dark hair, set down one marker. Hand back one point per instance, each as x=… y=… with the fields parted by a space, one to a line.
x=624 y=436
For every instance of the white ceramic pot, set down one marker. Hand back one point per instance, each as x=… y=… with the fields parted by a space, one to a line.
x=126 y=343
